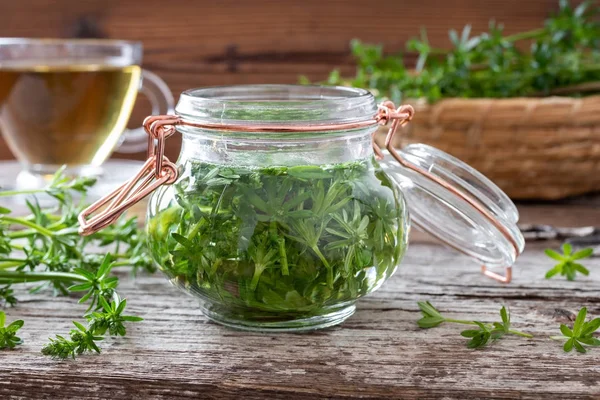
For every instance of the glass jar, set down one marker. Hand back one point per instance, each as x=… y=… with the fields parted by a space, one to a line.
x=279 y=230
x=281 y=216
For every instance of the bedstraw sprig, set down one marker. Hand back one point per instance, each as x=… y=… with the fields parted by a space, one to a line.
x=478 y=337
x=581 y=334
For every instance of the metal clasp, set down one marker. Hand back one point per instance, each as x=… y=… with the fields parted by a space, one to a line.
x=157 y=170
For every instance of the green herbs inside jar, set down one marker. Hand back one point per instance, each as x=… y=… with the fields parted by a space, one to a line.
x=280 y=228
x=280 y=244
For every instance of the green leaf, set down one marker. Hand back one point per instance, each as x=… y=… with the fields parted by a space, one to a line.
x=590 y=327
x=121 y=305
x=15 y=326
x=579 y=322
x=79 y=326
x=453 y=37
x=4 y=210
x=2 y=319
x=505 y=317
x=104 y=304
x=132 y=318
x=80 y=287
x=469 y=333
x=557 y=269
x=218 y=182
x=428 y=309
x=582 y=254
x=566 y=331
x=94 y=346
x=567 y=248
x=364 y=222
x=429 y=322
x=105 y=267
x=568 y=346
x=581 y=269
x=309 y=172
x=86 y=297
x=182 y=240
x=553 y=254
x=578 y=346
x=479 y=340
x=481 y=325
x=589 y=341
x=86 y=274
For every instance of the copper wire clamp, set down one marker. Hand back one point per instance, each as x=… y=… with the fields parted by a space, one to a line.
x=159 y=170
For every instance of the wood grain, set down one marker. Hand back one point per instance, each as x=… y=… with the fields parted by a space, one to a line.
x=204 y=43
x=378 y=353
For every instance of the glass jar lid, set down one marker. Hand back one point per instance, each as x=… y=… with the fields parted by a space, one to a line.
x=467 y=212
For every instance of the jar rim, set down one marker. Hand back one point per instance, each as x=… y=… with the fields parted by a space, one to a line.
x=276 y=104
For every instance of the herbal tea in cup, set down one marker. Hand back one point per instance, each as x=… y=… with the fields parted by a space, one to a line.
x=67 y=102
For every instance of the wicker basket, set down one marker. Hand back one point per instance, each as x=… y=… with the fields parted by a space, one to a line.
x=533 y=148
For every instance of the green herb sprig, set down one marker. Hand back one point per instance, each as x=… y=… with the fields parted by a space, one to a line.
x=83 y=339
x=567 y=265
x=479 y=337
x=8 y=334
x=562 y=57
x=581 y=335
x=45 y=247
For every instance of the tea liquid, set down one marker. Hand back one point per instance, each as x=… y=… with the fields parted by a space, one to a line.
x=65 y=114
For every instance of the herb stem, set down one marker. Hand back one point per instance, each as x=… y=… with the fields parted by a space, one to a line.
x=126 y=263
x=21 y=234
x=258 y=270
x=11 y=263
x=519 y=333
x=23 y=277
x=6 y=193
x=324 y=261
x=460 y=321
x=284 y=263
x=29 y=224
x=526 y=35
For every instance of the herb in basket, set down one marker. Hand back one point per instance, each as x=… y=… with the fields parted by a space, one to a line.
x=562 y=57
x=45 y=251
x=280 y=241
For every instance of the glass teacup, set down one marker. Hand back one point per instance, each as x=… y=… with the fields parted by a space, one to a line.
x=67 y=102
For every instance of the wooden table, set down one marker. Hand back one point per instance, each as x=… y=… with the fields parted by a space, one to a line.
x=378 y=353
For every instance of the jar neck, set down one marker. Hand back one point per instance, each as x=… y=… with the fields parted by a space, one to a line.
x=314 y=150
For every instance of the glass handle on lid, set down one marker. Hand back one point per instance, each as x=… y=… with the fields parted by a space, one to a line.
x=452 y=201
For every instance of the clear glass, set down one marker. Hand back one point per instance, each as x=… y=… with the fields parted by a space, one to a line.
x=67 y=102
x=279 y=231
x=439 y=212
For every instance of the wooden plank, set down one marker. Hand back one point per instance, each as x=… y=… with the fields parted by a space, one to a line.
x=377 y=353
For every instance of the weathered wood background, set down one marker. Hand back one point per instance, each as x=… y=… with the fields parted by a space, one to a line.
x=208 y=42
x=379 y=353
